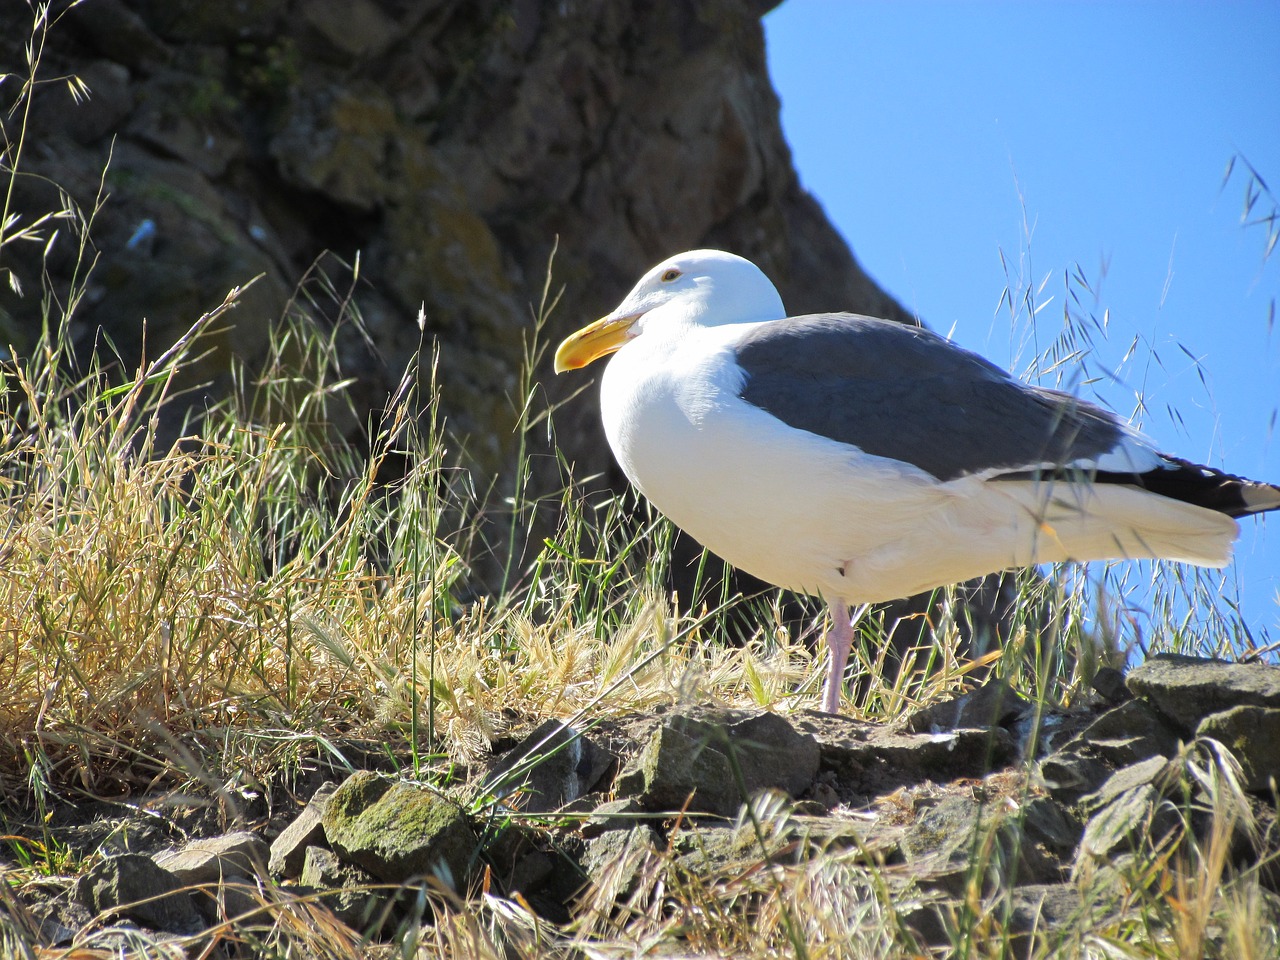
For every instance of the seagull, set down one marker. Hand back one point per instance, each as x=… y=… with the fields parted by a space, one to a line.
x=862 y=460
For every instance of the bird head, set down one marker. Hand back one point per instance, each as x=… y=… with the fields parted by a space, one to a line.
x=701 y=287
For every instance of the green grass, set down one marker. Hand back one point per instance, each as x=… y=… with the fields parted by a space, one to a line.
x=207 y=615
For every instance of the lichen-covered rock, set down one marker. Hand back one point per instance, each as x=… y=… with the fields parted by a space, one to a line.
x=397 y=831
x=1188 y=689
x=1252 y=734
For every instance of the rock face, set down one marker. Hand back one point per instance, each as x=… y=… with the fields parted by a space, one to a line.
x=446 y=144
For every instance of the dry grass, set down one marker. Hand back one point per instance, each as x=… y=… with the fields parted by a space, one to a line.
x=248 y=578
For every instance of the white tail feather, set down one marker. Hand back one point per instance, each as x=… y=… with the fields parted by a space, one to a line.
x=1108 y=521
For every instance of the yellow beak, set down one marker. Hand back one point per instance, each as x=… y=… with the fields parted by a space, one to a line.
x=593 y=342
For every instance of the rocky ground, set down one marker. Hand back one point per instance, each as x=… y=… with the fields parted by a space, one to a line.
x=943 y=807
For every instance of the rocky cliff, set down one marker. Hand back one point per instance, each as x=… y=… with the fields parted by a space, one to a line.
x=446 y=143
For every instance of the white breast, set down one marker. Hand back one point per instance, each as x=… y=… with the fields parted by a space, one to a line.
x=782 y=504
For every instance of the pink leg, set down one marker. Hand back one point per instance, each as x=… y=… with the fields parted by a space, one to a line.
x=839 y=641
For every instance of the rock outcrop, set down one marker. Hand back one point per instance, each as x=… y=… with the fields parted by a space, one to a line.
x=446 y=145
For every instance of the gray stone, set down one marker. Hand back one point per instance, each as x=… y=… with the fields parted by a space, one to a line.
x=929 y=919
x=1037 y=734
x=1129 y=733
x=355 y=28
x=523 y=859
x=228 y=899
x=676 y=772
x=875 y=841
x=991 y=705
x=531 y=871
x=712 y=761
x=398 y=831
x=871 y=760
x=945 y=827
x=1128 y=778
x=109 y=102
x=1109 y=684
x=552 y=766
x=56 y=921
x=289 y=849
x=1040 y=908
x=355 y=896
x=717 y=850
x=1048 y=823
x=763 y=748
x=1072 y=772
x=239 y=854
x=1125 y=735
x=620 y=814
x=1119 y=827
x=204 y=140
x=944 y=756
x=118 y=33
x=996 y=842
x=1252 y=734
x=133 y=886
x=1126 y=812
x=613 y=861
x=1015 y=915
x=1188 y=689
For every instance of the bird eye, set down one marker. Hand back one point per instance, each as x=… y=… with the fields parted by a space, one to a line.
x=670 y=275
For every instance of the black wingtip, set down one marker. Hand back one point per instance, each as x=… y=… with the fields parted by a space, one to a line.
x=1202 y=486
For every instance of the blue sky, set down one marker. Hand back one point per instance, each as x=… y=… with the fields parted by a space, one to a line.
x=1081 y=136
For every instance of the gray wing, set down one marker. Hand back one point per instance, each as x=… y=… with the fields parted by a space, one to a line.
x=906 y=393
